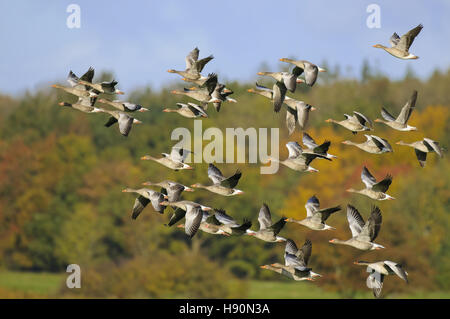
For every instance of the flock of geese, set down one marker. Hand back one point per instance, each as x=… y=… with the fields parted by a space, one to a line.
x=206 y=90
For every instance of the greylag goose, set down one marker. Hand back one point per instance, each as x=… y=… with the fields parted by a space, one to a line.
x=124 y=106
x=189 y=110
x=174 y=160
x=74 y=80
x=363 y=234
x=194 y=66
x=124 y=120
x=298 y=160
x=172 y=189
x=315 y=217
x=146 y=196
x=375 y=190
x=377 y=272
x=102 y=87
x=373 y=144
x=298 y=259
x=80 y=106
x=229 y=225
x=317 y=149
x=400 y=45
x=217 y=91
x=284 y=270
x=355 y=123
x=221 y=185
x=401 y=122
x=289 y=79
x=268 y=231
x=182 y=204
x=422 y=148
x=311 y=70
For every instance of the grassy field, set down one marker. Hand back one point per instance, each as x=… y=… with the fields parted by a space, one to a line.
x=42 y=285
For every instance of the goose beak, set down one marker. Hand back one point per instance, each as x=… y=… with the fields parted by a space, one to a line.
x=300 y=81
x=61 y=103
x=166 y=197
x=328 y=121
x=188 y=189
x=143 y=109
x=174 y=92
x=137 y=121
x=282 y=59
x=206 y=209
x=171 y=71
x=227 y=91
x=263 y=267
x=54 y=86
x=119 y=92
x=313 y=108
x=144 y=157
x=377 y=120
x=124 y=191
x=331 y=241
x=260 y=73
x=164 y=203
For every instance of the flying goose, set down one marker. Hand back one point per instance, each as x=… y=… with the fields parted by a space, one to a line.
x=77 y=91
x=375 y=190
x=209 y=225
x=315 y=217
x=310 y=70
x=317 y=149
x=363 y=234
x=221 y=185
x=124 y=120
x=298 y=160
x=145 y=196
x=401 y=122
x=373 y=144
x=355 y=123
x=189 y=110
x=268 y=231
x=289 y=79
x=194 y=66
x=74 y=80
x=174 y=160
x=102 y=87
x=229 y=225
x=172 y=189
x=124 y=106
x=400 y=45
x=217 y=91
x=284 y=270
x=377 y=272
x=298 y=259
x=422 y=148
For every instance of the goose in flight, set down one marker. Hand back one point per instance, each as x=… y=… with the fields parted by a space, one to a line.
x=268 y=231
x=284 y=270
x=221 y=185
x=299 y=160
x=229 y=225
x=423 y=147
x=194 y=66
x=74 y=80
x=400 y=45
x=401 y=122
x=77 y=91
x=373 y=144
x=312 y=146
x=298 y=259
x=124 y=106
x=180 y=209
x=209 y=225
x=172 y=189
x=315 y=217
x=378 y=270
x=217 y=91
x=174 y=160
x=189 y=110
x=375 y=190
x=311 y=70
x=123 y=119
x=146 y=196
x=355 y=123
x=81 y=106
x=86 y=80
x=363 y=234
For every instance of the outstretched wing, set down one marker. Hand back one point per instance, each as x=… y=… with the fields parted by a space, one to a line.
x=232 y=181
x=215 y=174
x=407 y=39
x=264 y=217
x=139 y=205
x=295 y=150
x=371 y=228
x=309 y=141
x=355 y=221
x=177 y=215
x=406 y=111
x=279 y=93
x=383 y=186
x=386 y=115
x=395 y=38
x=312 y=206
x=367 y=178
x=276 y=228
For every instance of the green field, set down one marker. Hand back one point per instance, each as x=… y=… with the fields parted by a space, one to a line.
x=42 y=285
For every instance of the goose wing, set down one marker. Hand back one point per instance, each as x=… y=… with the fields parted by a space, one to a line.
x=291 y=119
x=407 y=39
x=367 y=178
x=322 y=148
x=276 y=227
x=200 y=64
x=386 y=115
x=381 y=143
x=264 y=217
x=397 y=269
x=156 y=198
x=177 y=215
x=312 y=206
x=224 y=218
x=383 y=186
x=215 y=174
x=295 y=150
x=303 y=114
x=362 y=119
x=174 y=192
x=372 y=227
x=191 y=58
x=125 y=124
x=355 y=221
x=139 y=204
x=308 y=141
x=291 y=247
x=375 y=282
x=421 y=157
x=197 y=109
x=232 y=181
x=395 y=38
x=279 y=93
x=406 y=111
x=311 y=71
x=193 y=217
x=179 y=154
x=325 y=213
x=210 y=83
x=290 y=81
x=432 y=145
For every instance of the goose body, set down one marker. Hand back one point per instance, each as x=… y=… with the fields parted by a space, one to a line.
x=174 y=160
x=124 y=121
x=355 y=123
x=124 y=106
x=299 y=160
x=194 y=66
x=375 y=190
x=229 y=225
x=423 y=147
x=81 y=107
x=400 y=45
x=268 y=231
x=189 y=110
x=313 y=147
x=373 y=144
x=172 y=189
x=221 y=185
x=311 y=70
x=401 y=122
x=315 y=217
x=146 y=196
x=363 y=233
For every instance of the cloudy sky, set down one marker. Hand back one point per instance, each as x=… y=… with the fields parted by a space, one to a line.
x=140 y=40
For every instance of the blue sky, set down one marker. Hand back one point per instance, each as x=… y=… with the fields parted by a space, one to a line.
x=140 y=40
